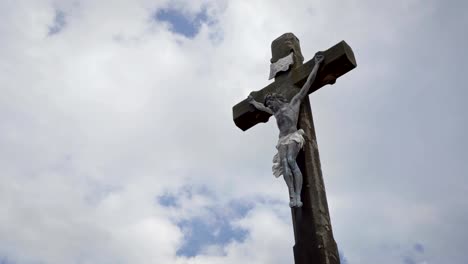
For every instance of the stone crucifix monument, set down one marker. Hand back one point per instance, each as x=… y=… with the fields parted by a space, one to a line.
x=297 y=159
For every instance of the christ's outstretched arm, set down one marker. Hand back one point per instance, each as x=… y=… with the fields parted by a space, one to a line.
x=297 y=99
x=258 y=105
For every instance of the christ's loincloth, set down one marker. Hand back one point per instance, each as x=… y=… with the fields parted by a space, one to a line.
x=297 y=137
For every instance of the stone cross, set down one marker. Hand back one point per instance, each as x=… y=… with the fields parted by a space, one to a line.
x=314 y=242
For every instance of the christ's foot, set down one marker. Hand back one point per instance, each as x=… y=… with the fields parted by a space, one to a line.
x=298 y=201
x=292 y=202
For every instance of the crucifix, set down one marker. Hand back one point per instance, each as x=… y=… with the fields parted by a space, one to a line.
x=297 y=159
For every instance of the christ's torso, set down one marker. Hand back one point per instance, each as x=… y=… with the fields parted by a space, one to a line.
x=286 y=119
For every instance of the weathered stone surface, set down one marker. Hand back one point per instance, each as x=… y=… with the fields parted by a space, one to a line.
x=339 y=60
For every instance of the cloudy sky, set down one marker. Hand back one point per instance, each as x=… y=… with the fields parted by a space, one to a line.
x=117 y=143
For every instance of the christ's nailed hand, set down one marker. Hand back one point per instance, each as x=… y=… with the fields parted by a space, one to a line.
x=319 y=58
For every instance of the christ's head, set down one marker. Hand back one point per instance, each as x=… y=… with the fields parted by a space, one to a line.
x=274 y=101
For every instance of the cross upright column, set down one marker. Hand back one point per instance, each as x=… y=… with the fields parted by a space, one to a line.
x=314 y=241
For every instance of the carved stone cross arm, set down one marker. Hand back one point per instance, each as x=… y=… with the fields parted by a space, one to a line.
x=339 y=60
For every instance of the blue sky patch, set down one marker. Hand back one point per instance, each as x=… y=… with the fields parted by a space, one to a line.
x=58 y=24
x=171 y=199
x=408 y=260
x=200 y=233
x=168 y=200
x=181 y=23
x=217 y=229
x=413 y=255
x=419 y=248
x=213 y=229
x=5 y=260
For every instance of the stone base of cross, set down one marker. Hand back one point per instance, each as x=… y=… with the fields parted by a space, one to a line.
x=314 y=242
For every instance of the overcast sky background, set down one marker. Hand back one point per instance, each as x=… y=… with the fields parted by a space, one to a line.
x=117 y=143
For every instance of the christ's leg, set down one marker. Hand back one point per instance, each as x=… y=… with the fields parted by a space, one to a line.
x=287 y=174
x=293 y=150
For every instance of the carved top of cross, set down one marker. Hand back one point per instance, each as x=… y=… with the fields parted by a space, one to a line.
x=339 y=59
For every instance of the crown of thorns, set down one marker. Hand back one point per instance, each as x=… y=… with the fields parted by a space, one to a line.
x=274 y=96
